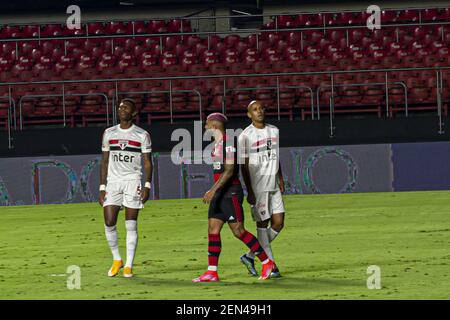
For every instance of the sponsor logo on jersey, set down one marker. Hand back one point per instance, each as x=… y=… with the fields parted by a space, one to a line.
x=122 y=157
x=123 y=144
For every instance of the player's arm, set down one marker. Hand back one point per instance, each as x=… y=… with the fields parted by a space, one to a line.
x=244 y=161
x=247 y=180
x=148 y=168
x=103 y=174
x=225 y=177
x=280 y=178
x=148 y=173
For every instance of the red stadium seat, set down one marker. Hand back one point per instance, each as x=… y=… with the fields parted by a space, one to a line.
x=178 y=25
x=157 y=26
x=117 y=28
x=139 y=27
x=96 y=28
x=31 y=31
x=52 y=30
x=8 y=32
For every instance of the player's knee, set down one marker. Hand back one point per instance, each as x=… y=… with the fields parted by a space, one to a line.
x=110 y=222
x=262 y=224
x=238 y=232
x=213 y=230
x=278 y=226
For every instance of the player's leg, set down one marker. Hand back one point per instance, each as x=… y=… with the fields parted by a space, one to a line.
x=214 y=248
x=253 y=244
x=270 y=205
x=234 y=212
x=248 y=259
x=276 y=222
x=110 y=213
x=131 y=216
x=261 y=214
x=132 y=203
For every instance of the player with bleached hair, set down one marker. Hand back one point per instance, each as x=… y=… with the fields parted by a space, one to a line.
x=225 y=202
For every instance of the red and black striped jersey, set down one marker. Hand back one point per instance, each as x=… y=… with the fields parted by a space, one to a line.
x=225 y=152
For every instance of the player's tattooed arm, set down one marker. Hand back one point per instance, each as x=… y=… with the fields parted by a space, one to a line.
x=103 y=175
x=223 y=180
x=148 y=173
x=246 y=175
x=280 y=178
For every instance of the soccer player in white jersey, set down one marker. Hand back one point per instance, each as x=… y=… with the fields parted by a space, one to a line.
x=124 y=147
x=261 y=170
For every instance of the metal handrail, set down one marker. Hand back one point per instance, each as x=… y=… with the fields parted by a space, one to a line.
x=10 y=120
x=236 y=16
x=225 y=76
x=275 y=88
x=160 y=35
x=228 y=75
x=62 y=95
x=360 y=85
x=439 y=100
x=170 y=93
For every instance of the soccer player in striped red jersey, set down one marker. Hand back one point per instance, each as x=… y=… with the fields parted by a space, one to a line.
x=225 y=202
x=124 y=146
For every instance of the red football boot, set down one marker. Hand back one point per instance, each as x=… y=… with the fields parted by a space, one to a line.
x=208 y=276
x=267 y=269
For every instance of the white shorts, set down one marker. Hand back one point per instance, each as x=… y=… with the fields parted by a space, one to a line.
x=267 y=204
x=124 y=193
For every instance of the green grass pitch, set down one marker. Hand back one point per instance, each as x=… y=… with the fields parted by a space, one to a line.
x=323 y=252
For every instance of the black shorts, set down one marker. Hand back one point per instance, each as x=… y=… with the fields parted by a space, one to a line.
x=227 y=206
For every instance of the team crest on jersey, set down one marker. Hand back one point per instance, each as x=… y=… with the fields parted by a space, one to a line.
x=123 y=144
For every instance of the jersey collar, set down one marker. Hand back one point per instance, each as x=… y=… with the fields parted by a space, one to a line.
x=125 y=130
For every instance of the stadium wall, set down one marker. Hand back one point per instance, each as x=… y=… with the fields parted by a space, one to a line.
x=221 y=9
x=77 y=141
x=307 y=170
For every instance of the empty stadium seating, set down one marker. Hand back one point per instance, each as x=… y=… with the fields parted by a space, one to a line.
x=153 y=53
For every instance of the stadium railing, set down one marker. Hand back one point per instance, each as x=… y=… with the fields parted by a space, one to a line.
x=277 y=88
x=185 y=20
x=63 y=95
x=221 y=76
x=256 y=32
x=170 y=92
x=324 y=28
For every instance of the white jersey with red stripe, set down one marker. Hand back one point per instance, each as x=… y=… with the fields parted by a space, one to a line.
x=125 y=148
x=261 y=147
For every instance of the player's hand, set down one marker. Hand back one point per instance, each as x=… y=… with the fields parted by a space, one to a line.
x=282 y=189
x=208 y=196
x=101 y=197
x=251 y=199
x=145 y=195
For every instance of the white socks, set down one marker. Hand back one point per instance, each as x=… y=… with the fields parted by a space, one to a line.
x=111 y=237
x=132 y=239
x=272 y=234
x=265 y=237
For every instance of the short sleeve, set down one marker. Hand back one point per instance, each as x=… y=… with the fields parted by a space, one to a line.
x=242 y=147
x=105 y=142
x=230 y=152
x=146 y=146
